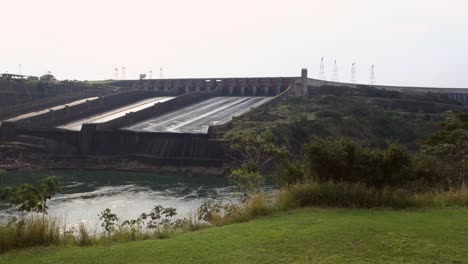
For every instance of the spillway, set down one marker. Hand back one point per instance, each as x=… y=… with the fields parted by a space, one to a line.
x=55 y=108
x=198 y=117
x=115 y=113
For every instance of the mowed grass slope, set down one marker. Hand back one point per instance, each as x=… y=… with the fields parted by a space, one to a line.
x=302 y=236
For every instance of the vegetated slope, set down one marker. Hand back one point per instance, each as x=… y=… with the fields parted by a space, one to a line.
x=16 y=92
x=372 y=117
x=303 y=236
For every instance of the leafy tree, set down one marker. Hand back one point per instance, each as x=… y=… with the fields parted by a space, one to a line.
x=254 y=152
x=30 y=198
x=449 y=150
x=109 y=220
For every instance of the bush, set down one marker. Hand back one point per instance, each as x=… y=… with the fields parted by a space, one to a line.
x=347 y=195
x=355 y=195
x=29 y=232
x=344 y=161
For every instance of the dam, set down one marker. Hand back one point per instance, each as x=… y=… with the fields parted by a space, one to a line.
x=157 y=124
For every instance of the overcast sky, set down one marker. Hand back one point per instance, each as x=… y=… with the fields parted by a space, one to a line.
x=411 y=42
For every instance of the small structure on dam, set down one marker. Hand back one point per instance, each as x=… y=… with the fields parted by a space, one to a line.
x=165 y=124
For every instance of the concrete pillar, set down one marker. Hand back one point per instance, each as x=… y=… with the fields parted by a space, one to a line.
x=267 y=89
x=87 y=137
x=278 y=89
x=51 y=114
x=231 y=89
x=67 y=110
x=304 y=81
x=8 y=131
x=243 y=89
x=254 y=90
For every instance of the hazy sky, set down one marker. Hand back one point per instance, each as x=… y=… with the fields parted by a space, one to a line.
x=411 y=42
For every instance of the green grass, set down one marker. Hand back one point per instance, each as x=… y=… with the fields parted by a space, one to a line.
x=302 y=236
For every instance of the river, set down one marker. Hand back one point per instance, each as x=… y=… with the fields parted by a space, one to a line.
x=86 y=193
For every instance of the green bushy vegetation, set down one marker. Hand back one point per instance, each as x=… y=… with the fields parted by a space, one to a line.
x=344 y=112
x=441 y=163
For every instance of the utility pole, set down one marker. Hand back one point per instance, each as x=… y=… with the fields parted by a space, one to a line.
x=322 y=70
x=123 y=73
x=372 y=76
x=150 y=75
x=116 y=74
x=353 y=73
x=161 y=73
x=335 y=76
x=19 y=70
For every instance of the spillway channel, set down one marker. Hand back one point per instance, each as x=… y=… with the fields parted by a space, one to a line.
x=198 y=117
x=115 y=113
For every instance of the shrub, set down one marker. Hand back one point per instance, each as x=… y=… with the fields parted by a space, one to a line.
x=330 y=194
x=28 y=232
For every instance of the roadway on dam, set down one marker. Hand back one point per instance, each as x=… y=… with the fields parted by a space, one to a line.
x=198 y=117
x=115 y=113
x=55 y=108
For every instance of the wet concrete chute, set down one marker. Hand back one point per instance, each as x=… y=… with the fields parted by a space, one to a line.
x=55 y=108
x=198 y=117
x=114 y=113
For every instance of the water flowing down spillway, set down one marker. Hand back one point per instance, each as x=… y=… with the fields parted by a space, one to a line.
x=115 y=113
x=198 y=117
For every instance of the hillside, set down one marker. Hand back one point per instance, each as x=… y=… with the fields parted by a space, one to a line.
x=370 y=116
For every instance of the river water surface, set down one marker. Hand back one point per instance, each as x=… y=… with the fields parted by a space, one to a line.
x=86 y=193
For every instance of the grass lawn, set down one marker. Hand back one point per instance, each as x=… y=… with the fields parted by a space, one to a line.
x=302 y=236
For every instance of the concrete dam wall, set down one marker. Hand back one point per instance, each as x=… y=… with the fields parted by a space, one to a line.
x=121 y=125
x=167 y=122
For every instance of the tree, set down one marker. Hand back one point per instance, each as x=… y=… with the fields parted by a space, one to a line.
x=449 y=148
x=29 y=198
x=254 y=152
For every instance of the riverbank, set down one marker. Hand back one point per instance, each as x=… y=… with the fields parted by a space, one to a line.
x=308 y=235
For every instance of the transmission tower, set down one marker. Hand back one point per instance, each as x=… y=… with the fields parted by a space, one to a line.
x=161 y=73
x=150 y=75
x=353 y=73
x=335 y=76
x=116 y=74
x=322 y=70
x=123 y=73
x=372 y=76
